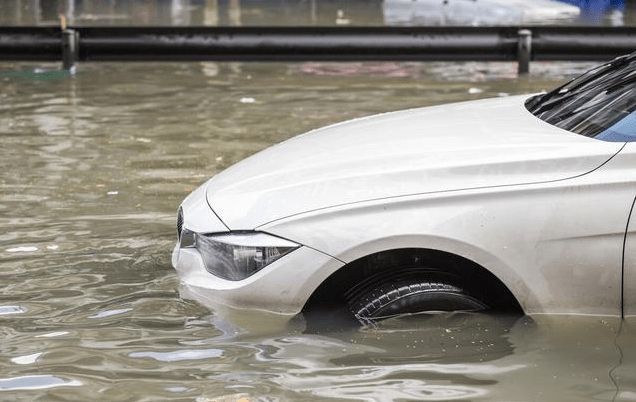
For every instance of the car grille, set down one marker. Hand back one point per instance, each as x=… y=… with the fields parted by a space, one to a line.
x=179 y=222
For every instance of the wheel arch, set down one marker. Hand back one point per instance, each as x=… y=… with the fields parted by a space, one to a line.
x=476 y=266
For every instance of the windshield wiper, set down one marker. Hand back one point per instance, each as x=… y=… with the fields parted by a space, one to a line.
x=541 y=103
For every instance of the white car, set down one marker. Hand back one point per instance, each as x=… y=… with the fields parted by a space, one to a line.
x=474 y=13
x=520 y=204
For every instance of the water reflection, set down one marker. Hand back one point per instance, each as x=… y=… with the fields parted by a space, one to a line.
x=26 y=359
x=179 y=355
x=437 y=358
x=33 y=382
x=92 y=168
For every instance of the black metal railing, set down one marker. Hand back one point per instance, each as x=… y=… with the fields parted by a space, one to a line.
x=315 y=43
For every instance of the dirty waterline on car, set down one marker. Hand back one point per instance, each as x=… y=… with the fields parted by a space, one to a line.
x=92 y=169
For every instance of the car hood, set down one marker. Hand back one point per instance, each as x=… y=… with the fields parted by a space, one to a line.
x=466 y=145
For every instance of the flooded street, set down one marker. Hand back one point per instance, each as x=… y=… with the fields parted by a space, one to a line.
x=92 y=170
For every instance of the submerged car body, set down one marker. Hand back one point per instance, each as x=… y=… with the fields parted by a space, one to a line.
x=517 y=209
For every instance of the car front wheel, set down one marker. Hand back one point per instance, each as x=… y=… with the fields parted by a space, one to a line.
x=410 y=296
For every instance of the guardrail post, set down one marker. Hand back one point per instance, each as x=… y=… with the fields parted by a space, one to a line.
x=524 y=49
x=70 y=47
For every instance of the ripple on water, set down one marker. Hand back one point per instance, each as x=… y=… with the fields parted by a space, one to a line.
x=52 y=334
x=179 y=355
x=396 y=390
x=109 y=313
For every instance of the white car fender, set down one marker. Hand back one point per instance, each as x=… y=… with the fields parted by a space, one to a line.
x=557 y=246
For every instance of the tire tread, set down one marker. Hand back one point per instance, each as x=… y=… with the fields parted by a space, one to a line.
x=368 y=305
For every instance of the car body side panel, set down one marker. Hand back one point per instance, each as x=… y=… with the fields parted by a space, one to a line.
x=628 y=155
x=557 y=246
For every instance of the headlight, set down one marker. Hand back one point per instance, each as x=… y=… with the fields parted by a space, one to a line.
x=235 y=256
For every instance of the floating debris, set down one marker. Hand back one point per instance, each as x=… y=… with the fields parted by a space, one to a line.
x=247 y=100
x=341 y=20
x=474 y=90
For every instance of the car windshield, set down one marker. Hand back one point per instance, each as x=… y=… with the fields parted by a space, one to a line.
x=600 y=103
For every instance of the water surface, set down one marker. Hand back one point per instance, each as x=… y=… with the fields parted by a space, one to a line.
x=92 y=169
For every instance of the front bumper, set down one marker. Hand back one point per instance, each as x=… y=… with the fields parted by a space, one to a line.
x=282 y=287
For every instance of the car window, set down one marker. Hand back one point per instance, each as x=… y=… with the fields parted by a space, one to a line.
x=622 y=131
x=599 y=104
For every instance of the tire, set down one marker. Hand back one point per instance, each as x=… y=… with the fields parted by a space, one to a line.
x=389 y=299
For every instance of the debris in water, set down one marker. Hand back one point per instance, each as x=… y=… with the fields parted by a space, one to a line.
x=247 y=100
x=112 y=193
x=474 y=91
x=341 y=20
x=52 y=247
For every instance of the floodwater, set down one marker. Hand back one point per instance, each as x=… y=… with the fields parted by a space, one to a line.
x=92 y=169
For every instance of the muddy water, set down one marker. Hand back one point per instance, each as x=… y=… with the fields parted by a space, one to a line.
x=92 y=168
